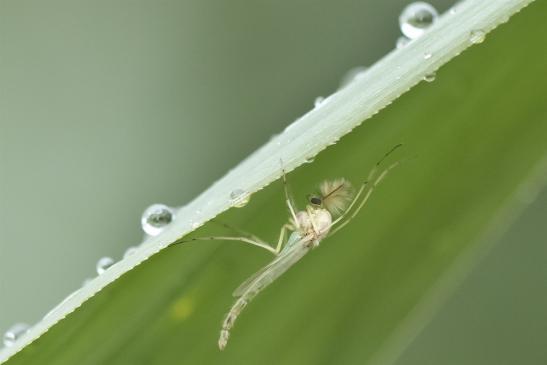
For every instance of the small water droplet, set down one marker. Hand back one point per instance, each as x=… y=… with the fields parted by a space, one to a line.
x=103 y=264
x=318 y=101
x=195 y=225
x=240 y=198
x=430 y=77
x=14 y=333
x=456 y=7
x=155 y=218
x=352 y=75
x=130 y=251
x=427 y=56
x=416 y=18
x=477 y=36
x=401 y=42
x=309 y=160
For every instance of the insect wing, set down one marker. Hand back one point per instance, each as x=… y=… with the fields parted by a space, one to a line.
x=273 y=270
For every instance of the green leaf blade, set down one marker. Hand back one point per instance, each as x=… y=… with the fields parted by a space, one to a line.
x=474 y=139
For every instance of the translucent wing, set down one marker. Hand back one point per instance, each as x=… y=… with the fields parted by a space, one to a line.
x=273 y=270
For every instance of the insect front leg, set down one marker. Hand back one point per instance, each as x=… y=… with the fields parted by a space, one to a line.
x=370 y=190
x=282 y=234
x=288 y=200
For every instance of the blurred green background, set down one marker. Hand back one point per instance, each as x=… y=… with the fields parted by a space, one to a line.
x=105 y=105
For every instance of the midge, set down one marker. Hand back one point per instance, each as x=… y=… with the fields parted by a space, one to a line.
x=327 y=212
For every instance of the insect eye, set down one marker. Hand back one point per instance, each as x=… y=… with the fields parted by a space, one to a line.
x=315 y=200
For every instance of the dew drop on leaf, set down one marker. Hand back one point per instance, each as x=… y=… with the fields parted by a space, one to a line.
x=103 y=264
x=477 y=36
x=416 y=18
x=15 y=332
x=155 y=218
x=430 y=77
x=240 y=198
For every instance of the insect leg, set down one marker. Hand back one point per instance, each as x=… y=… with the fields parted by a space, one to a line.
x=288 y=200
x=364 y=185
x=229 y=238
x=375 y=168
x=282 y=237
x=238 y=230
x=363 y=201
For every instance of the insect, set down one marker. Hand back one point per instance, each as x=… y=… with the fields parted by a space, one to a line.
x=326 y=213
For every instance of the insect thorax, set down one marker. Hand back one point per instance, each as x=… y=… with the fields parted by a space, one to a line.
x=315 y=222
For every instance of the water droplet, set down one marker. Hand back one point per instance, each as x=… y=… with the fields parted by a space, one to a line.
x=240 y=198
x=430 y=77
x=416 y=18
x=352 y=75
x=103 y=264
x=309 y=160
x=130 y=251
x=155 y=218
x=14 y=333
x=427 y=56
x=318 y=101
x=195 y=225
x=477 y=36
x=401 y=42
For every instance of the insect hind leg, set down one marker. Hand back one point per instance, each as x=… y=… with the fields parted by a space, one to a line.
x=229 y=238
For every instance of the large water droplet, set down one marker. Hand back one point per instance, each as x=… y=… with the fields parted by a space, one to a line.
x=155 y=218
x=430 y=77
x=416 y=18
x=240 y=198
x=14 y=333
x=477 y=36
x=103 y=264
